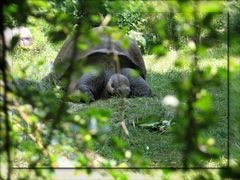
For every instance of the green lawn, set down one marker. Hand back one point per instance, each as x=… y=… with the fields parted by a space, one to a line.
x=160 y=148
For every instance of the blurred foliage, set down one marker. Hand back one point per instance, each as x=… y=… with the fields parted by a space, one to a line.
x=234 y=26
x=60 y=136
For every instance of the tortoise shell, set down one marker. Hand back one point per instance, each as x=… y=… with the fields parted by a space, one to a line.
x=100 y=53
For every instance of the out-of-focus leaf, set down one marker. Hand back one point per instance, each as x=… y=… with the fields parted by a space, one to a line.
x=210 y=6
x=134 y=73
x=202 y=50
x=39 y=4
x=125 y=43
x=204 y=101
x=159 y=50
x=100 y=114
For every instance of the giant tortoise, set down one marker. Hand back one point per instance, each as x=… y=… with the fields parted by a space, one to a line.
x=118 y=67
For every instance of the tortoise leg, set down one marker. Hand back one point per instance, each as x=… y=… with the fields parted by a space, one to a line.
x=86 y=90
x=138 y=86
x=90 y=85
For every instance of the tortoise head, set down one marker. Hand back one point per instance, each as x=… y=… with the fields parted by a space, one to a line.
x=118 y=84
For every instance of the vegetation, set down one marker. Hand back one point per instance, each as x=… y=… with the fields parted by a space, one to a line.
x=185 y=123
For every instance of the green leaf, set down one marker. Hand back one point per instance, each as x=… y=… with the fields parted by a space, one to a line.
x=125 y=43
x=204 y=101
x=211 y=6
x=134 y=73
x=100 y=114
x=159 y=50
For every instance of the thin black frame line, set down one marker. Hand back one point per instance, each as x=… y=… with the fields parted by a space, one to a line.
x=173 y=168
x=156 y=167
x=228 y=89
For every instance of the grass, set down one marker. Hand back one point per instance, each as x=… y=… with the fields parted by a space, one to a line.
x=161 y=149
x=234 y=110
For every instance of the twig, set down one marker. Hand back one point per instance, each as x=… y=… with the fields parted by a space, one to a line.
x=191 y=133
x=35 y=138
x=122 y=98
x=3 y=67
